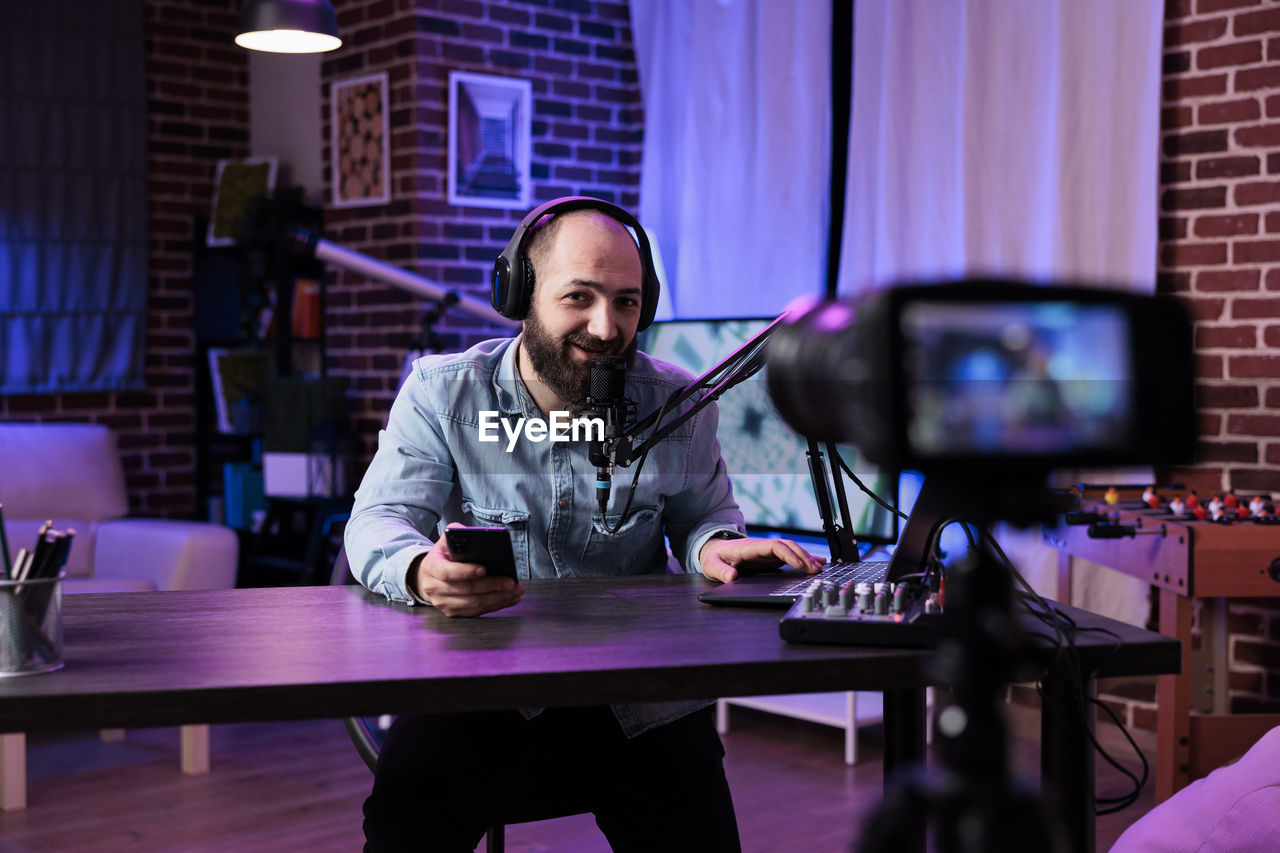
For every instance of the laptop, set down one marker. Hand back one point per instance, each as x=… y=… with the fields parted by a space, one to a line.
x=780 y=588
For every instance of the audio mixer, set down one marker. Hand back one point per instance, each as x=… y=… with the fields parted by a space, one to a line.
x=884 y=614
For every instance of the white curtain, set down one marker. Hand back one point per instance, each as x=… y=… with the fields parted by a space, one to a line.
x=1017 y=137
x=1012 y=137
x=737 y=150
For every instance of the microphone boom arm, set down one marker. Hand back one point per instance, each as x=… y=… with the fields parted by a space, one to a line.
x=741 y=365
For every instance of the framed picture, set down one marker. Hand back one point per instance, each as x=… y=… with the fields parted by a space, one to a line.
x=360 y=141
x=238 y=378
x=234 y=183
x=490 y=125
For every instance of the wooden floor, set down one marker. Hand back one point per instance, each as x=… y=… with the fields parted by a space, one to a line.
x=298 y=786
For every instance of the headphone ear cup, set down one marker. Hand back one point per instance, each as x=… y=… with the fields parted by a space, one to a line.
x=500 y=285
x=512 y=284
x=648 y=298
x=523 y=296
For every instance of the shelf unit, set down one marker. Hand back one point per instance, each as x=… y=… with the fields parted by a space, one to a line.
x=844 y=710
x=245 y=300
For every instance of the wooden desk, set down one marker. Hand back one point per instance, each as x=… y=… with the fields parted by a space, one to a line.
x=221 y=656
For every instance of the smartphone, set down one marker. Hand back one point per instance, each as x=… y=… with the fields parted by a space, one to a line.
x=488 y=546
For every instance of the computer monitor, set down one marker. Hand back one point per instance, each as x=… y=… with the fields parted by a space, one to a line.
x=765 y=457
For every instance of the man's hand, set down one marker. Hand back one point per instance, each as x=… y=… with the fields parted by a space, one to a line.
x=460 y=589
x=723 y=559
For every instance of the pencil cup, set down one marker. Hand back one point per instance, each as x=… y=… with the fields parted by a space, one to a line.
x=31 y=619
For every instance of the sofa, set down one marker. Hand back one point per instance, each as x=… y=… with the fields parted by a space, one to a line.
x=72 y=474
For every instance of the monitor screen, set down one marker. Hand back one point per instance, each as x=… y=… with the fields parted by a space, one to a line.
x=765 y=457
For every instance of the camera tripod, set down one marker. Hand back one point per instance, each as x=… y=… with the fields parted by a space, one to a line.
x=972 y=803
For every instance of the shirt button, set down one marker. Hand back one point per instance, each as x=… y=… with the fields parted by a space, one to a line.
x=563 y=504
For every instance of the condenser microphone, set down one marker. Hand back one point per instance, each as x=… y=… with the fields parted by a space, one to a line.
x=605 y=401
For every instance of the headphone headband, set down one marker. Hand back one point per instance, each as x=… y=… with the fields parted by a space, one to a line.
x=513 y=278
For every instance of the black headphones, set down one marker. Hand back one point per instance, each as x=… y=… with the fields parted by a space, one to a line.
x=513 y=273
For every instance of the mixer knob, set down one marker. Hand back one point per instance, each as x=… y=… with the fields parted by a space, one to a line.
x=866 y=602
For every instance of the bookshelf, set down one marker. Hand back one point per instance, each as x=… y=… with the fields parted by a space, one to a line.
x=260 y=348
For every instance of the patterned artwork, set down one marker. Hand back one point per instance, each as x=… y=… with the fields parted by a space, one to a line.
x=765 y=457
x=490 y=126
x=360 y=142
x=234 y=183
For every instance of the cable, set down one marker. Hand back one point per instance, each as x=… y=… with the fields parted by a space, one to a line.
x=635 y=477
x=852 y=476
x=1065 y=628
x=1127 y=799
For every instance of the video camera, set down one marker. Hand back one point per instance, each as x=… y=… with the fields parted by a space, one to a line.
x=984 y=385
x=1008 y=376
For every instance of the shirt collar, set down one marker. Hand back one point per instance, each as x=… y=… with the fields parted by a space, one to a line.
x=512 y=395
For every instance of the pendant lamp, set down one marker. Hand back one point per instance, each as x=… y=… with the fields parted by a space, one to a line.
x=289 y=26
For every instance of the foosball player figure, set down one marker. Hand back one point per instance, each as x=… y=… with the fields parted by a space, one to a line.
x=1111 y=496
x=1255 y=506
x=1177 y=507
x=1200 y=512
x=1192 y=500
x=1150 y=498
x=1215 y=504
x=1230 y=501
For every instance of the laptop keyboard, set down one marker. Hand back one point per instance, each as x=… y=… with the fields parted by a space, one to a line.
x=871 y=571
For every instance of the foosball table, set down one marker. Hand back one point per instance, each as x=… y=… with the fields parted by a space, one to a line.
x=1185 y=558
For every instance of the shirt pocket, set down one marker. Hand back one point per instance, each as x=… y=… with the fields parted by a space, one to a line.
x=636 y=548
x=516 y=522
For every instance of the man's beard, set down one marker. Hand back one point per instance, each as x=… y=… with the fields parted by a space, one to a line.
x=554 y=362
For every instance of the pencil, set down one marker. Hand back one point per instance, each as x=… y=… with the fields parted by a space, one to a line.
x=4 y=547
x=20 y=565
x=66 y=550
x=44 y=543
x=46 y=555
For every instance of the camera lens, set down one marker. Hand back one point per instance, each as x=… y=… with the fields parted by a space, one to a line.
x=812 y=372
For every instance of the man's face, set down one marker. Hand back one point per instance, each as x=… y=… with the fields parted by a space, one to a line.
x=586 y=302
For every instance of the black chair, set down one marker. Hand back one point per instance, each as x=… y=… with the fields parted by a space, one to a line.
x=367 y=734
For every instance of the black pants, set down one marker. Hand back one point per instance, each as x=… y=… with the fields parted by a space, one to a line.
x=444 y=779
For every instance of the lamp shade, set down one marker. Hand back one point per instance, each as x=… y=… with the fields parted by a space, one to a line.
x=289 y=26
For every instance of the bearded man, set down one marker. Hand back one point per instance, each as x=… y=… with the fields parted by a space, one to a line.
x=652 y=773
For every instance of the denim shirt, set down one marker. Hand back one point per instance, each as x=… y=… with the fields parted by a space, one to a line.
x=431 y=468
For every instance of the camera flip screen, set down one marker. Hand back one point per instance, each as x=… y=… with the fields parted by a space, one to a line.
x=1016 y=378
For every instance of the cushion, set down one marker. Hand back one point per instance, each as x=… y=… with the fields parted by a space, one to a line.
x=1235 y=808
x=57 y=470
x=78 y=585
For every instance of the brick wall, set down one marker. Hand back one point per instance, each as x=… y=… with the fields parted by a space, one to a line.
x=1220 y=225
x=587 y=130
x=1220 y=249
x=197 y=97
